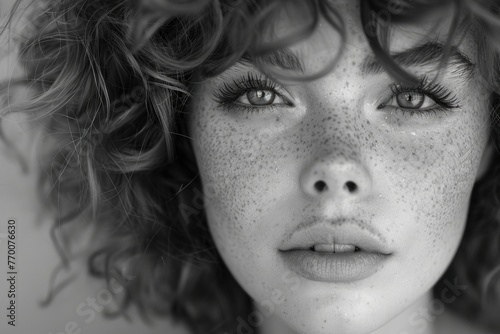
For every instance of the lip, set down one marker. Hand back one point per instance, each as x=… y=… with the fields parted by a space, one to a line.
x=373 y=251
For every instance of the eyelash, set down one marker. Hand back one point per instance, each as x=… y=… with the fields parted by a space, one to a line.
x=230 y=93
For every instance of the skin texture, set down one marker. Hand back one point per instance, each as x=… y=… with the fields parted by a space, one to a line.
x=414 y=175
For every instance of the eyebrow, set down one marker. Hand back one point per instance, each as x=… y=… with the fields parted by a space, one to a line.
x=426 y=54
x=283 y=58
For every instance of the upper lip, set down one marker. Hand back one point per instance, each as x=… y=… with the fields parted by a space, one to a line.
x=342 y=231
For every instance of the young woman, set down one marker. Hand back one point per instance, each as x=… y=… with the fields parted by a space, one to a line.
x=276 y=166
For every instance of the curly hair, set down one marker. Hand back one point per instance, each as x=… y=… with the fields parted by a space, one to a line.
x=111 y=83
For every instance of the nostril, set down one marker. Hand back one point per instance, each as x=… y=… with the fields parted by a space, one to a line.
x=320 y=186
x=351 y=186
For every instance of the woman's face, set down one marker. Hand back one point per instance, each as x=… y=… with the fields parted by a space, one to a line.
x=339 y=202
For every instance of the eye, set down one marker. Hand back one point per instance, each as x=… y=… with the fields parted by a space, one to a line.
x=251 y=93
x=413 y=100
x=260 y=98
x=423 y=98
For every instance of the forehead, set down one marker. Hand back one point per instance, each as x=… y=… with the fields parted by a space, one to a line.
x=419 y=41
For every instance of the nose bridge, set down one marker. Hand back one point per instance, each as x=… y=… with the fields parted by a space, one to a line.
x=336 y=168
x=336 y=129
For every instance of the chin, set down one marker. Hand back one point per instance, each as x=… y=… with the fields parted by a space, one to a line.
x=333 y=321
x=341 y=314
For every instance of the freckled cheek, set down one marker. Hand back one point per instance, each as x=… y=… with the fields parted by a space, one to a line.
x=241 y=179
x=237 y=167
x=240 y=172
x=432 y=178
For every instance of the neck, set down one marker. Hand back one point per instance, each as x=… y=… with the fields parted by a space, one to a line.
x=415 y=318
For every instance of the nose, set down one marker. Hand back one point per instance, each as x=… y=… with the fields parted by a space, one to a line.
x=336 y=178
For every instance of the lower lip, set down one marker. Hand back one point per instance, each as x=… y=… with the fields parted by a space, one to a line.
x=333 y=267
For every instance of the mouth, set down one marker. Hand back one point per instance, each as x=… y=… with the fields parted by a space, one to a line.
x=334 y=248
x=342 y=251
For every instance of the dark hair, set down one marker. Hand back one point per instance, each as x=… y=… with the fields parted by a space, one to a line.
x=110 y=83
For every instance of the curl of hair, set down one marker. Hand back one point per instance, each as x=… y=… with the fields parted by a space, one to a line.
x=112 y=80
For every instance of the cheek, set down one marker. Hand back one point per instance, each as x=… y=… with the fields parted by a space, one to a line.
x=430 y=175
x=239 y=168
